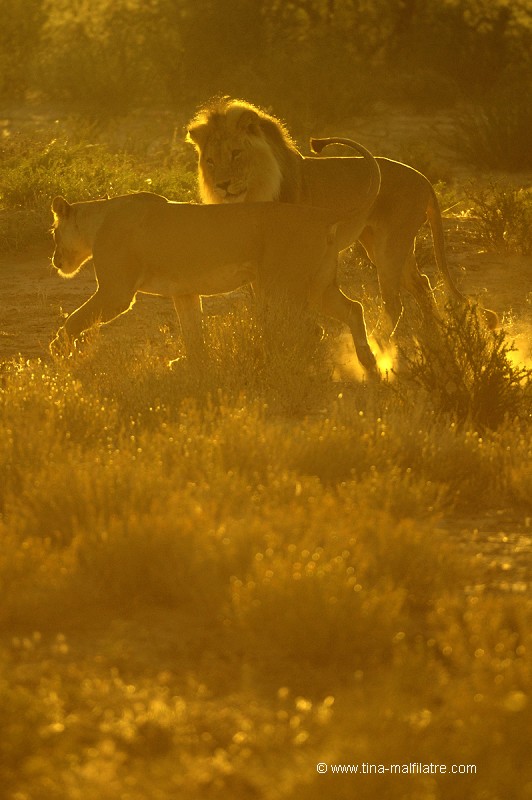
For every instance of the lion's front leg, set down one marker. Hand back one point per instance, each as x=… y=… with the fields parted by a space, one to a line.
x=103 y=306
x=189 y=311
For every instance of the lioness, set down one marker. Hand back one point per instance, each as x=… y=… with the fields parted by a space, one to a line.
x=246 y=154
x=144 y=243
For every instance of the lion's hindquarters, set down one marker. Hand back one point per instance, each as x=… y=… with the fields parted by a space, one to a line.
x=344 y=186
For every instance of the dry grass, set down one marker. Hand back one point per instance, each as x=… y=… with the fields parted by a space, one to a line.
x=212 y=581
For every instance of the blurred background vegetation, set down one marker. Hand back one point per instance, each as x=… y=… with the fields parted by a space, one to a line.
x=306 y=58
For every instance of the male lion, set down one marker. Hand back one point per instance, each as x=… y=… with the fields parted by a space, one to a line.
x=246 y=154
x=144 y=243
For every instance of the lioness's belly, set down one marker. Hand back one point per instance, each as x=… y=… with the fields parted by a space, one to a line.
x=224 y=278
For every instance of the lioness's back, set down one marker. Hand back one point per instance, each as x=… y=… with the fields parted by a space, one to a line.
x=158 y=233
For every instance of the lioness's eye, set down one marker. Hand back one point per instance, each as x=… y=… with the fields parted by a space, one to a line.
x=209 y=162
x=235 y=154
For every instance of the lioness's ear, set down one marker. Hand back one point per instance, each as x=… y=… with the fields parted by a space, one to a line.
x=248 y=121
x=60 y=206
x=197 y=135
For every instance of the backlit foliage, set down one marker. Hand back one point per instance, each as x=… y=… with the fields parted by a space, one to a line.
x=201 y=592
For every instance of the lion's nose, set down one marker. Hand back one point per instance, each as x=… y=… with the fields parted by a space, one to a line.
x=223 y=185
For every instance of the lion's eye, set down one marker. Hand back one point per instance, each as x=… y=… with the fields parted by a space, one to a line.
x=236 y=154
x=209 y=162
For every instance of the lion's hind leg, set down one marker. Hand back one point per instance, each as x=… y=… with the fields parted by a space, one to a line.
x=418 y=284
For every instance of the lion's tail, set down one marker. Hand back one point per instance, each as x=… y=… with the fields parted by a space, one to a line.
x=436 y=226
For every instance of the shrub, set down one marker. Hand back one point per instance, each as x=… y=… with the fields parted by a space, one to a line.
x=466 y=371
x=502 y=217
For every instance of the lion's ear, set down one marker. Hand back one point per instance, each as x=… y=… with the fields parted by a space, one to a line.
x=60 y=207
x=248 y=121
x=197 y=135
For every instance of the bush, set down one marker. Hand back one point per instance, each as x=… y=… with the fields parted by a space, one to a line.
x=467 y=372
x=502 y=217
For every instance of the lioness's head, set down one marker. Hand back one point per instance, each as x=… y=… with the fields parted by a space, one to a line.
x=72 y=249
x=235 y=142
